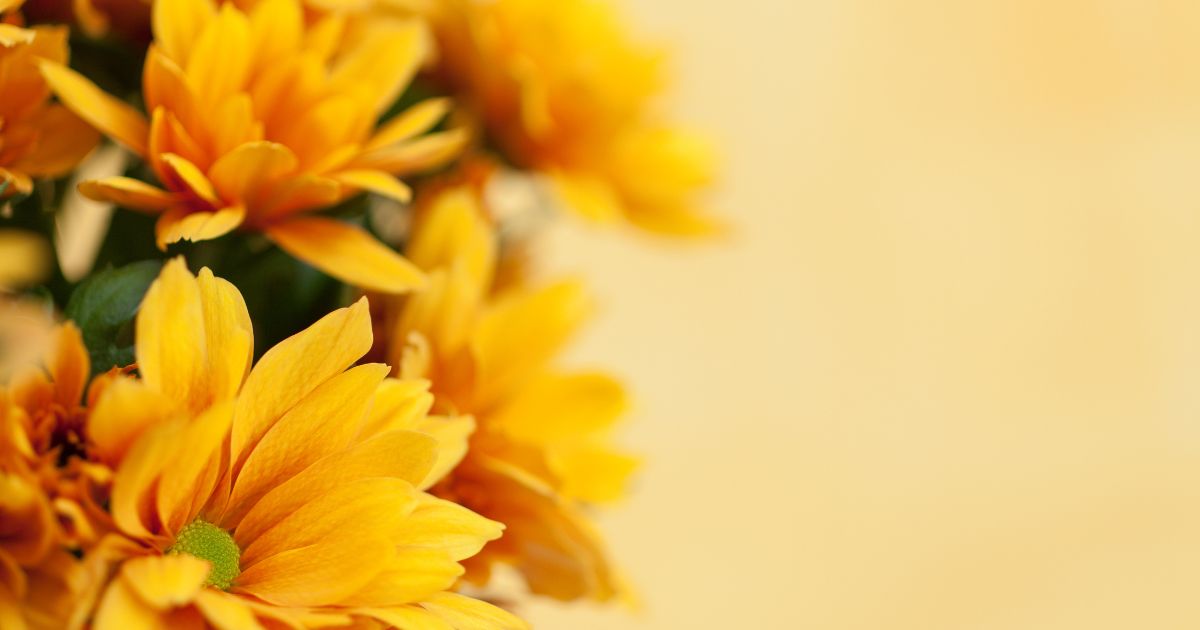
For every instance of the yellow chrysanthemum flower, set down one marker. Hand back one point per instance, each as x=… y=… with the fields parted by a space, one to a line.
x=37 y=138
x=561 y=89
x=287 y=494
x=258 y=118
x=540 y=451
x=48 y=495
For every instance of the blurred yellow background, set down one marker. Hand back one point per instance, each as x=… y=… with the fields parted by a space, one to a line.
x=946 y=374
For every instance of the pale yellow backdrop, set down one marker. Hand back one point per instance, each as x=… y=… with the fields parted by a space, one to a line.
x=946 y=376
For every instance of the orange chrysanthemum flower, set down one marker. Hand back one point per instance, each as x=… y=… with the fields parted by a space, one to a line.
x=562 y=90
x=540 y=453
x=37 y=138
x=258 y=118
x=287 y=494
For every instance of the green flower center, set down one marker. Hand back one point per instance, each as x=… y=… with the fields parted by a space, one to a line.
x=209 y=542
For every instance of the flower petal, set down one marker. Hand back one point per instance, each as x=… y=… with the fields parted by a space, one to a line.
x=319 y=574
x=378 y=182
x=448 y=527
x=295 y=367
x=178 y=24
x=224 y=611
x=165 y=581
x=410 y=123
x=126 y=408
x=404 y=455
x=191 y=178
x=104 y=112
x=69 y=365
x=470 y=614
x=250 y=168
x=414 y=574
x=322 y=423
x=347 y=253
x=180 y=225
x=182 y=484
x=407 y=617
x=361 y=507
x=129 y=193
x=121 y=609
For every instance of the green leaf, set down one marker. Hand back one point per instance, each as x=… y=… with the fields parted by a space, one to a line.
x=103 y=307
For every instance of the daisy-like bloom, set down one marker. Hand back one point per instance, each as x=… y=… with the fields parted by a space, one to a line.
x=540 y=453
x=37 y=138
x=258 y=118
x=561 y=89
x=286 y=495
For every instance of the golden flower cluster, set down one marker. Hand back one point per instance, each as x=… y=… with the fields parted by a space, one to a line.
x=313 y=378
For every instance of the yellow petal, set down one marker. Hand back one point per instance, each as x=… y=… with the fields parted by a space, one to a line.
x=132 y=504
x=385 y=58
x=122 y=609
x=347 y=253
x=181 y=225
x=319 y=574
x=190 y=178
x=407 y=617
x=295 y=367
x=320 y=424
x=219 y=62
x=410 y=123
x=362 y=507
x=448 y=527
x=591 y=197
x=193 y=337
x=178 y=24
x=129 y=193
x=68 y=365
x=296 y=194
x=378 y=182
x=124 y=411
x=243 y=173
x=520 y=332
x=224 y=611
x=399 y=404
x=165 y=581
x=412 y=575
x=404 y=455
x=423 y=154
x=111 y=116
x=179 y=487
x=276 y=28
x=465 y=613
x=593 y=474
x=452 y=434
x=558 y=407
x=63 y=141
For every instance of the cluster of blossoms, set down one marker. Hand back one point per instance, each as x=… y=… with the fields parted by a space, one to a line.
x=310 y=379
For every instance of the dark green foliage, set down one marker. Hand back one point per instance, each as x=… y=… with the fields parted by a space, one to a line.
x=103 y=307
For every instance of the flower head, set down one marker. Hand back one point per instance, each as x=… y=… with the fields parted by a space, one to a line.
x=562 y=89
x=37 y=138
x=540 y=452
x=287 y=493
x=258 y=118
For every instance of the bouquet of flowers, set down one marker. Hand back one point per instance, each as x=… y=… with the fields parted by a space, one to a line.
x=275 y=350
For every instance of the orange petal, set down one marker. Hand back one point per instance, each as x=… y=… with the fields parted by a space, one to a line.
x=191 y=178
x=178 y=487
x=407 y=617
x=128 y=193
x=250 y=168
x=319 y=574
x=320 y=424
x=361 y=507
x=126 y=408
x=412 y=575
x=69 y=365
x=404 y=455
x=193 y=337
x=448 y=527
x=425 y=153
x=378 y=182
x=180 y=225
x=165 y=581
x=347 y=253
x=178 y=24
x=410 y=123
x=225 y=612
x=295 y=367
x=464 y=612
x=111 y=116
x=121 y=609
x=133 y=484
